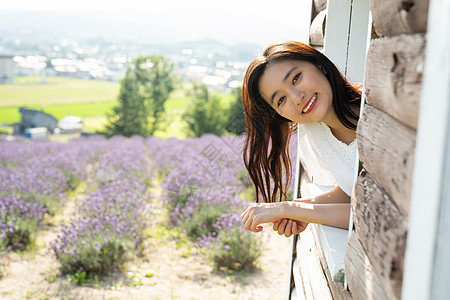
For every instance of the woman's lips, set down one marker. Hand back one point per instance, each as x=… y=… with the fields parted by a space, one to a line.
x=310 y=105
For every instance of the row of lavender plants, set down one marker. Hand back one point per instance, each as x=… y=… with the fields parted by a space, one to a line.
x=108 y=226
x=204 y=179
x=35 y=178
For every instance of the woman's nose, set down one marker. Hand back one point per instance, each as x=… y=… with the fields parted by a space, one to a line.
x=297 y=96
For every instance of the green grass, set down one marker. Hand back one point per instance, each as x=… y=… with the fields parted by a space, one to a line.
x=90 y=99
x=174 y=125
x=11 y=114
x=94 y=123
x=177 y=103
x=27 y=91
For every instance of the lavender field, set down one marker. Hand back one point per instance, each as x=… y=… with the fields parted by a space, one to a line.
x=202 y=185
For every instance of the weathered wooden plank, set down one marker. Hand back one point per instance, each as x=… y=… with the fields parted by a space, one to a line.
x=314 y=280
x=318 y=6
x=382 y=229
x=337 y=288
x=297 y=289
x=303 y=272
x=423 y=278
x=394 y=71
x=363 y=282
x=386 y=148
x=399 y=16
x=317 y=29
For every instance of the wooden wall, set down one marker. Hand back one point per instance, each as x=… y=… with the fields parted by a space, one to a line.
x=317 y=28
x=386 y=134
x=386 y=142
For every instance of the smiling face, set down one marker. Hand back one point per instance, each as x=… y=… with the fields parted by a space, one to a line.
x=298 y=91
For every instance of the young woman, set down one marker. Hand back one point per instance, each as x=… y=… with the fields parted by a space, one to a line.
x=293 y=83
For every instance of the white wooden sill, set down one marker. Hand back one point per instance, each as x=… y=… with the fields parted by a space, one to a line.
x=331 y=240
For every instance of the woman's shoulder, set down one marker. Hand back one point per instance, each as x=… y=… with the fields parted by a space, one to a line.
x=312 y=128
x=320 y=133
x=317 y=143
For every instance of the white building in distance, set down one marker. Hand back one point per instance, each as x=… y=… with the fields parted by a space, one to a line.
x=6 y=68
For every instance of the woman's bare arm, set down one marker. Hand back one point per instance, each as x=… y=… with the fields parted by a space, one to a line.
x=336 y=195
x=327 y=212
x=332 y=214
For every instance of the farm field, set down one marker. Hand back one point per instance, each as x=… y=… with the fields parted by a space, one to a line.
x=133 y=218
x=34 y=90
x=89 y=99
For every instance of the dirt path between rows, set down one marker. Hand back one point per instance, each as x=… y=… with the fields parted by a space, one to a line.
x=35 y=274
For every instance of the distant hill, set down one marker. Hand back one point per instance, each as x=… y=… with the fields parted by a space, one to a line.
x=174 y=26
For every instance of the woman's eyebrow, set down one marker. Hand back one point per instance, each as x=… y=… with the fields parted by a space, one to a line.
x=284 y=79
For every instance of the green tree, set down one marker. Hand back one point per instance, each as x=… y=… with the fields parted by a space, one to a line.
x=236 y=118
x=205 y=114
x=144 y=90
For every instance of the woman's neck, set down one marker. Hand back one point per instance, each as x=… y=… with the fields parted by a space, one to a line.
x=344 y=134
x=339 y=130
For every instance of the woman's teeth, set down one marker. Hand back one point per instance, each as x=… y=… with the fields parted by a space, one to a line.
x=313 y=99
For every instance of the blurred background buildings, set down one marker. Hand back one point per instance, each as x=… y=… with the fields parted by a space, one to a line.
x=97 y=40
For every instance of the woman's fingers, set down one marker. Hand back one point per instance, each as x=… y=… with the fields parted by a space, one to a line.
x=276 y=224
x=249 y=222
x=301 y=226
x=247 y=217
x=244 y=217
x=295 y=229
x=282 y=226
x=259 y=213
x=248 y=225
x=288 y=229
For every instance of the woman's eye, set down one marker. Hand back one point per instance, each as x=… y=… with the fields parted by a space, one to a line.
x=294 y=80
x=281 y=100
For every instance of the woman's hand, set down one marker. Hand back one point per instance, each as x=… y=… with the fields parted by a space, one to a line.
x=260 y=213
x=289 y=227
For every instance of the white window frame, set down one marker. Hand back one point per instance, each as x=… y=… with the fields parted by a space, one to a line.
x=428 y=243
x=346 y=41
x=347 y=36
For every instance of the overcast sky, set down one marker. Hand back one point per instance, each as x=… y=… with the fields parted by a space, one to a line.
x=290 y=13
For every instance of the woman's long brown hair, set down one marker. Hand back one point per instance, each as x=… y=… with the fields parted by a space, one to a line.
x=266 y=149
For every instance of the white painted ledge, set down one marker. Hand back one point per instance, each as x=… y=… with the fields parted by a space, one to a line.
x=332 y=240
